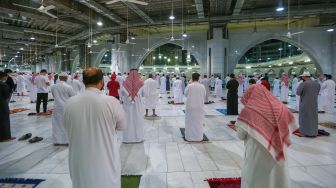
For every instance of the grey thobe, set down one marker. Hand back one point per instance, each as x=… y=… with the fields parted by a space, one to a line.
x=308 y=112
x=206 y=83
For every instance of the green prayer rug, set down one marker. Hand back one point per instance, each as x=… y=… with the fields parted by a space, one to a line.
x=130 y=181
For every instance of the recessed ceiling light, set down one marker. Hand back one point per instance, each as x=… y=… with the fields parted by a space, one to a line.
x=172 y=17
x=184 y=35
x=99 y=23
x=289 y=45
x=132 y=38
x=21 y=48
x=32 y=38
x=330 y=30
x=279 y=9
x=94 y=41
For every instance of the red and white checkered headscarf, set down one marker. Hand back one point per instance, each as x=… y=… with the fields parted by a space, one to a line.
x=267 y=120
x=132 y=84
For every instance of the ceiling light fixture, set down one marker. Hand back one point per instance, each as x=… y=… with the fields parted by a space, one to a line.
x=330 y=30
x=32 y=38
x=172 y=17
x=21 y=48
x=184 y=35
x=94 y=41
x=280 y=9
x=99 y=23
x=132 y=38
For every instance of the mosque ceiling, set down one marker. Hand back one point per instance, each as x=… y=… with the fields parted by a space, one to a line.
x=20 y=20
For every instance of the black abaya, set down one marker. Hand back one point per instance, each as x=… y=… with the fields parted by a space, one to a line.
x=5 y=133
x=232 y=97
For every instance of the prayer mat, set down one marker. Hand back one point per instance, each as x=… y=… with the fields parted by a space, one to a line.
x=48 y=113
x=16 y=110
x=328 y=124
x=232 y=126
x=224 y=182
x=130 y=181
x=205 y=138
x=223 y=111
x=19 y=183
x=299 y=134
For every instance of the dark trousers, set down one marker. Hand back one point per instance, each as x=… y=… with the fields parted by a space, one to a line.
x=41 y=97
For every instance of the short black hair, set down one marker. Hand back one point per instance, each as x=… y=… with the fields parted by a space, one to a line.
x=195 y=76
x=92 y=75
x=8 y=71
x=205 y=76
x=150 y=75
x=252 y=81
x=328 y=77
x=43 y=71
x=232 y=75
x=3 y=74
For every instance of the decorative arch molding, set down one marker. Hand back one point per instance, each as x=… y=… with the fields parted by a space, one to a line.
x=310 y=52
x=161 y=43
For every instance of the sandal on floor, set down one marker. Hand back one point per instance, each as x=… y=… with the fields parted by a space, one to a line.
x=31 y=114
x=323 y=132
x=35 y=139
x=25 y=137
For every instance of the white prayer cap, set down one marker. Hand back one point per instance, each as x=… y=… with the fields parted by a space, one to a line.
x=305 y=73
x=63 y=74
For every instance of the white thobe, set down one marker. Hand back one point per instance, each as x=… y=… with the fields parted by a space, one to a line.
x=212 y=81
x=135 y=116
x=276 y=87
x=328 y=96
x=260 y=170
x=246 y=83
x=77 y=86
x=194 y=117
x=294 y=85
x=177 y=91
x=106 y=80
x=163 y=85
x=151 y=94
x=241 y=89
x=297 y=97
x=218 y=88
x=20 y=84
x=284 y=92
x=206 y=83
x=33 y=91
x=61 y=93
x=91 y=120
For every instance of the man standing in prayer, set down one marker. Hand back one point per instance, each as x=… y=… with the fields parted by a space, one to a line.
x=266 y=136
x=232 y=96
x=61 y=93
x=276 y=86
x=20 y=84
x=77 y=85
x=10 y=83
x=206 y=83
x=194 y=117
x=151 y=94
x=163 y=84
x=168 y=82
x=42 y=83
x=294 y=85
x=297 y=97
x=177 y=91
x=241 y=86
x=308 y=110
x=284 y=88
x=212 y=83
x=218 y=87
x=113 y=87
x=92 y=120
x=32 y=88
x=132 y=94
x=328 y=94
x=5 y=132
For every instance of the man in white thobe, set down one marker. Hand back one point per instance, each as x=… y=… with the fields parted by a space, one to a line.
x=328 y=94
x=178 y=91
x=206 y=83
x=297 y=97
x=212 y=82
x=294 y=85
x=276 y=87
x=132 y=94
x=284 y=88
x=218 y=88
x=77 y=85
x=151 y=94
x=163 y=84
x=92 y=120
x=20 y=84
x=61 y=93
x=194 y=118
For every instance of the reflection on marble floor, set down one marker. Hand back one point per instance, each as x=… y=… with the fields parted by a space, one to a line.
x=164 y=159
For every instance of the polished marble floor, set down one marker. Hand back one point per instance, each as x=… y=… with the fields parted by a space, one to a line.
x=165 y=159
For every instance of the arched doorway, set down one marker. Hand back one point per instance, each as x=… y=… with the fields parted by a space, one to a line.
x=169 y=59
x=278 y=55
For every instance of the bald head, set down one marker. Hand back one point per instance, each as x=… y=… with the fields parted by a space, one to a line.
x=92 y=76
